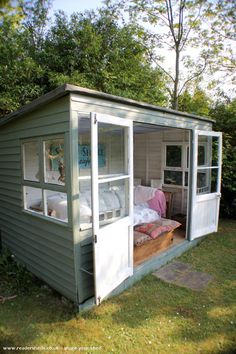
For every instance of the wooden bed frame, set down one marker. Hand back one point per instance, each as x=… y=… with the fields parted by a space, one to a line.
x=150 y=248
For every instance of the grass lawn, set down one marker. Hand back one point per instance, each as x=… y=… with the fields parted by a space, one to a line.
x=151 y=317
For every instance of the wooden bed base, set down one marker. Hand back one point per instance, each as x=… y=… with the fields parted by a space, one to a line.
x=150 y=248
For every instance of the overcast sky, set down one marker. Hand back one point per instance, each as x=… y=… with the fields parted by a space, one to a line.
x=70 y=6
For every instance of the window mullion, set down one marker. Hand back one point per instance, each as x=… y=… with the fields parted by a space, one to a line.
x=54 y=187
x=45 y=207
x=37 y=193
x=42 y=173
x=32 y=184
x=41 y=161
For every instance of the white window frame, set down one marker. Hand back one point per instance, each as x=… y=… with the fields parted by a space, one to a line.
x=41 y=184
x=184 y=162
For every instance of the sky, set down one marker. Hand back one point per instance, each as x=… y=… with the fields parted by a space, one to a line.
x=70 y=6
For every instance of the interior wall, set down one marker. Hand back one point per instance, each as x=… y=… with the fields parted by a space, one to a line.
x=147 y=156
x=149 y=164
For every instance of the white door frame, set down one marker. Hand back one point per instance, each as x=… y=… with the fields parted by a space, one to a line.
x=100 y=233
x=196 y=199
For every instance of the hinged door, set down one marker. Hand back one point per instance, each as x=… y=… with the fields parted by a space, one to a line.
x=206 y=180
x=112 y=182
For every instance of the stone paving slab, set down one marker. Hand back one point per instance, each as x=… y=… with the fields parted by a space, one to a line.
x=182 y=274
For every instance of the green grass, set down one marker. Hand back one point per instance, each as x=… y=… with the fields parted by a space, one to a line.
x=151 y=317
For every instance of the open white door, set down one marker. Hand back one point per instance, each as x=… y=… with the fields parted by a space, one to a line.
x=206 y=180
x=112 y=173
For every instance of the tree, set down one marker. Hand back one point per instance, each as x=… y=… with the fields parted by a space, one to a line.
x=197 y=103
x=225 y=117
x=20 y=73
x=224 y=114
x=222 y=22
x=4 y=3
x=90 y=49
x=93 y=50
x=185 y=30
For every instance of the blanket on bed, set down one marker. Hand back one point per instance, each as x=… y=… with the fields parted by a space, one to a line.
x=142 y=194
x=154 y=198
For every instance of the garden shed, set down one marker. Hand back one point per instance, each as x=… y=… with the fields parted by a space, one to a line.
x=97 y=190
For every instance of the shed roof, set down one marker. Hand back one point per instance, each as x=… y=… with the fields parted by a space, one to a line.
x=67 y=88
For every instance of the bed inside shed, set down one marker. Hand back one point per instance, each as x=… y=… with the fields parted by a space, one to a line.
x=159 y=166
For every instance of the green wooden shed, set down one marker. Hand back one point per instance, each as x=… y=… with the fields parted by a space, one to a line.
x=81 y=171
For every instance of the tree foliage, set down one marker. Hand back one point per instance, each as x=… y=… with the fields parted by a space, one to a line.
x=195 y=33
x=197 y=103
x=90 y=49
x=224 y=114
x=20 y=74
x=225 y=117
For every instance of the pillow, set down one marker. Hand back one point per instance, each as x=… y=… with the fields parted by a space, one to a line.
x=111 y=200
x=120 y=192
x=85 y=210
x=159 y=227
x=144 y=215
x=140 y=238
x=102 y=203
x=169 y=222
x=58 y=203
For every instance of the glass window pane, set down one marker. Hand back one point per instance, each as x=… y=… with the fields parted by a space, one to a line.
x=84 y=162
x=201 y=155
x=84 y=148
x=214 y=177
x=173 y=156
x=173 y=177
x=207 y=181
x=202 y=179
x=31 y=161
x=187 y=156
x=186 y=179
x=111 y=149
x=54 y=166
x=33 y=199
x=214 y=152
x=56 y=205
x=208 y=154
x=113 y=200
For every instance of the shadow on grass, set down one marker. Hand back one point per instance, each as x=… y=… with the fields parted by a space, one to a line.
x=22 y=316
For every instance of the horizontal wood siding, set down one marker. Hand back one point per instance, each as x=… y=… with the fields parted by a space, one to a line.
x=87 y=280
x=85 y=264
x=85 y=104
x=46 y=248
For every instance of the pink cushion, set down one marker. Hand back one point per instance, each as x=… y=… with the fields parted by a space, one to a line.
x=159 y=227
x=140 y=238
